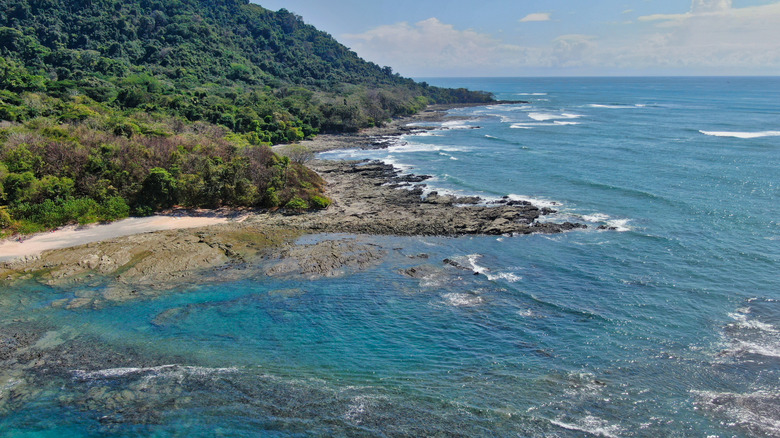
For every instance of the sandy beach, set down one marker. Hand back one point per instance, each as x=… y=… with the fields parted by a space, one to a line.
x=73 y=235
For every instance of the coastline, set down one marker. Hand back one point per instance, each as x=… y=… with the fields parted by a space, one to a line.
x=371 y=138
x=369 y=198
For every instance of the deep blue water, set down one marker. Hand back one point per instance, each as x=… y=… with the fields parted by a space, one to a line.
x=667 y=326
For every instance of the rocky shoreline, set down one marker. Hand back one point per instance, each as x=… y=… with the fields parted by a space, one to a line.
x=375 y=198
x=370 y=198
x=381 y=136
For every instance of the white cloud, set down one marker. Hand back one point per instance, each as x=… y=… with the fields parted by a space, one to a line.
x=539 y=16
x=713 y=34
x=705 y=6
x=573 y=50
x=431 y=47
x=698 y=7
x=712 y=37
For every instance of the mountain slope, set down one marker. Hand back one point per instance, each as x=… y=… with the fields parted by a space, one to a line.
x=208 y=60
x=113 y=107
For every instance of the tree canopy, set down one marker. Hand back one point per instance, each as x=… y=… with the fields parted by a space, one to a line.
x=117 y=107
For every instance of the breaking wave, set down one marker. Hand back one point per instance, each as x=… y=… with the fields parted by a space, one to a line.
x=543 y=117
x=744 y=135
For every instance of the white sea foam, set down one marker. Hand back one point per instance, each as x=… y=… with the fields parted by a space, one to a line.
x=596 y=217
x=740 y=348
x=755 y=411
x=391 y=160
x=462 y=300
x=456 y=124
x=560 y=123
x=531 y=94
x=508 y=276
x=503 y=108
x=543 y=117
x=744 y=322
x=538 y=202
x=423 y=147
x=621 y=225
x=591 y=425
x=472 y=259
x=597 y=105
x=745 y=135
x=159 y=371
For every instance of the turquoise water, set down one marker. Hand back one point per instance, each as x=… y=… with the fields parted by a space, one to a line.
x=667 y=326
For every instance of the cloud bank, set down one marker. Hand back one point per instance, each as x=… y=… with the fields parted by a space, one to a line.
x=713 y=37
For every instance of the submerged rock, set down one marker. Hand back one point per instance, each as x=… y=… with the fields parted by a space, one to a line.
x=328 y=258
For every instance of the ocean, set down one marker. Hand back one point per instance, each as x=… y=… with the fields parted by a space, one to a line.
x=666 y=325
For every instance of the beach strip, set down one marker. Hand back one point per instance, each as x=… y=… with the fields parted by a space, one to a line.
x=73 y=235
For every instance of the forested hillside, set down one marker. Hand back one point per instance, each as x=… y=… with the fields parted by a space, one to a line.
x=222 y=61
x=113 y=107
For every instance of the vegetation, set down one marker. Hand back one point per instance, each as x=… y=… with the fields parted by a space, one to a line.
x=118 y=107
x=55 y=173
x=226 y=62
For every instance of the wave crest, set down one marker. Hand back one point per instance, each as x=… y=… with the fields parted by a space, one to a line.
x=744 y=135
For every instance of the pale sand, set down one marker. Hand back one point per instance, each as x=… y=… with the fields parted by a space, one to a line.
x=70 y=236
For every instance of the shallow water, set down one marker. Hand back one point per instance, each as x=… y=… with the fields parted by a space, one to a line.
x=667 y=326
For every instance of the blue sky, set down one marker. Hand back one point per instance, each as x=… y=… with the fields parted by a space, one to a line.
x=426 y=38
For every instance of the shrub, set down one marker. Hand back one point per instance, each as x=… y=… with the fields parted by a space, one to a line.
x=320 y=202
x=20 y=187
x=297 y=203
x=82 y=210
x=55 y=188
x=114 y=208
x=158 y=190
x=5 y=219
x=20 y=160
x=271 y=198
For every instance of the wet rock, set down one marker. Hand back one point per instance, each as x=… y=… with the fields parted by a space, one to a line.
x=79 y=303
x=328 y=258
x=436 y=198
x=455 y=264
x=422 y=271
x=142 y=265
x=365 y=203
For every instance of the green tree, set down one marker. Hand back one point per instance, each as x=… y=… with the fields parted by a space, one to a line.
x=158 y=191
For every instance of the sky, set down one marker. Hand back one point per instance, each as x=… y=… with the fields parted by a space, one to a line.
x=439 y=38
